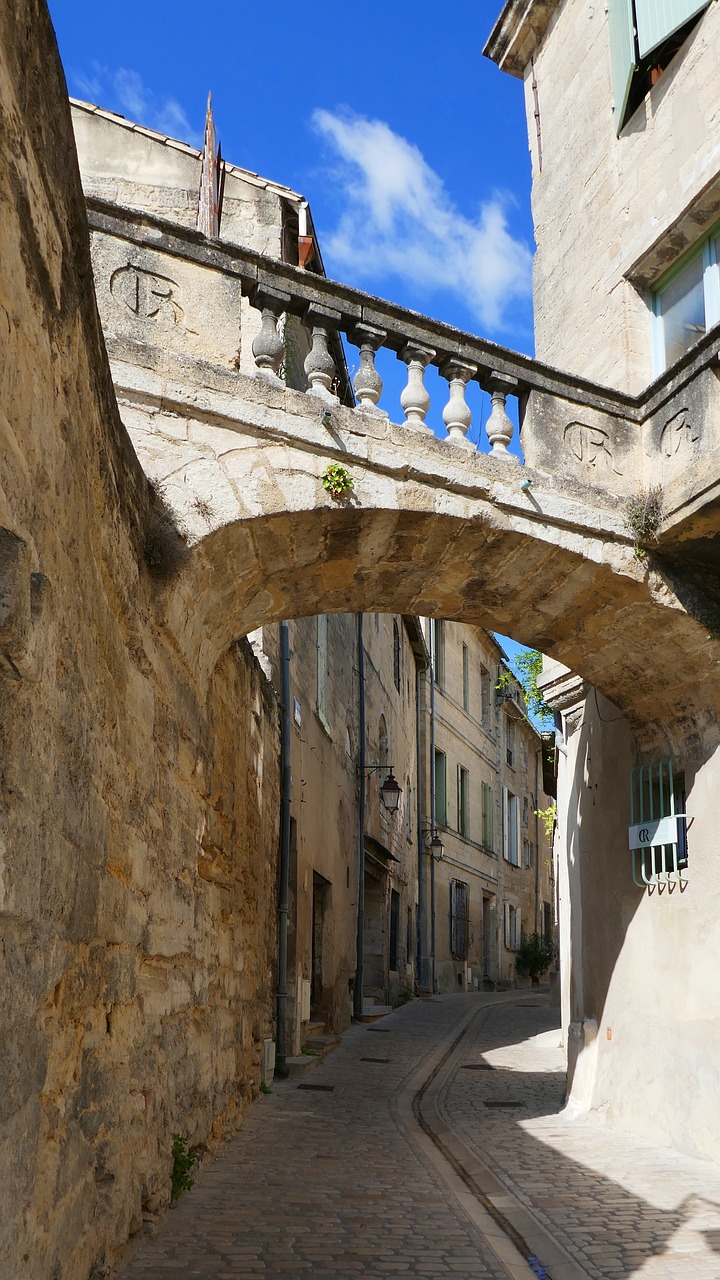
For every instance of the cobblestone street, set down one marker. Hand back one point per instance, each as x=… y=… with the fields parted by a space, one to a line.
x=431 y=1143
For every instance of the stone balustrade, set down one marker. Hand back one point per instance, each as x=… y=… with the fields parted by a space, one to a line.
x=597 y=435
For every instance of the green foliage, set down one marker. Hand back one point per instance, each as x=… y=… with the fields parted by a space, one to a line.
x=310 y=1053
x=643 y=516
x=265 y=1088
x=535 y=956
x=336 y=480
x=504 y=682
x=528 y=669
x=547 y=817
x=404 y=996
x=183 y=1163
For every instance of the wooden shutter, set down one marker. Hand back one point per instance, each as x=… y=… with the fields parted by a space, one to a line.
x=623 y=59
x=458 y=919
x=658 y=19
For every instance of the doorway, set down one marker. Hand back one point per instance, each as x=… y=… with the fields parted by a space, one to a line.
x=319 y=906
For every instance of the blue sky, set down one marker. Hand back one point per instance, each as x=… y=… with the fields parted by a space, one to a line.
x=410 y=146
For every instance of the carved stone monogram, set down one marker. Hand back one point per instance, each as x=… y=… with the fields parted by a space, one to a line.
x=590 y=446
x=146 y=294
x=678 y=434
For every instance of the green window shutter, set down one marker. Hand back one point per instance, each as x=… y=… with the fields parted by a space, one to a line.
x=658 y=19
x=622 y=54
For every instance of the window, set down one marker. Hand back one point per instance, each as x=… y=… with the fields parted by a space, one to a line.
x=394 y=930
x=459 y=919
x=512 y=927
x=644 y=37
x=466 y=677
x=322 y=668
x=512 y=848
x=396 y=655
x=527 y=854
x=441 y=787
x=687 y=303
x=408 y=809
x=409 y=941
x=485 y=696
x=488 y=816
x=509 y=742
x=658 y=823
x=463 y=801
x=438 y=649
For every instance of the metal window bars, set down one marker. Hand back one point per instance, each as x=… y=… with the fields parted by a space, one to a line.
x=658 y=825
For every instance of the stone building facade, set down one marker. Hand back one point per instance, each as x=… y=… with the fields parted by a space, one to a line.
x=626 y=202
x=494 y=880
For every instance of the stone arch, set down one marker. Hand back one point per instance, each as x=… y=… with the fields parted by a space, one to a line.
x=575 y=595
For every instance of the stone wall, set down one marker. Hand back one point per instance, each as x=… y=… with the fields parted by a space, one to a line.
x=137 y=818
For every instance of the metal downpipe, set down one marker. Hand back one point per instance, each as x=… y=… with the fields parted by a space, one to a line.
x=284 y=869
x=360 y=941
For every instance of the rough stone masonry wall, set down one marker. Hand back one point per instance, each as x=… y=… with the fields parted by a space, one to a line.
x=137 y=815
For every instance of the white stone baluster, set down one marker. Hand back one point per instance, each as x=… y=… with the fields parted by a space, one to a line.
x=268 y=347
x=456 y=414
x=319 y=364
x=415 y=400
x=367 y=381
x=499 y=427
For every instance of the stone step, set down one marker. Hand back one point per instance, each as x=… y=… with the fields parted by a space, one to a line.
x=371 y=1012
x=314 y=1028
x=324 y=1043
x=303 y=1064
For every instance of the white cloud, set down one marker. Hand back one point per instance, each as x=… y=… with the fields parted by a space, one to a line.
x=124 y=90
x=399 y=221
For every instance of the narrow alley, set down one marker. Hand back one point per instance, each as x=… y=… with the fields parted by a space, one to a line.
x=432 y=1143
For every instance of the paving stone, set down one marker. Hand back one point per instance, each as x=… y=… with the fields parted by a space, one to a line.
x=332 y=1184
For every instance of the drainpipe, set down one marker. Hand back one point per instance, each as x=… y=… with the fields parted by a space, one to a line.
x=421 y=925
x=284 y=877
x=432 y=799
x=360 y=944
x=537 y=847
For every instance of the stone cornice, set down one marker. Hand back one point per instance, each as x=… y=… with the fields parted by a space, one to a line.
x=517 y=34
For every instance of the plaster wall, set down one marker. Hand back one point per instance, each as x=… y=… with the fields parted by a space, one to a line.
x=612 y=213
x=639 y=997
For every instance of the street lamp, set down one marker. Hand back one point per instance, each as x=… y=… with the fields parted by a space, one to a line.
x=437 y=848
x=390 y=791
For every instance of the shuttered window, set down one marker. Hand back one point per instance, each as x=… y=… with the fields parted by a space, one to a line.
x=459 y=919
x=322 y=667
x=512 y=929
x=658 y=19
x=441 y=815
x=641 y=34
x=622 y=55
x=488 y=816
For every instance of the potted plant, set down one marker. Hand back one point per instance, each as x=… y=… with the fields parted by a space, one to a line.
x=536 y=954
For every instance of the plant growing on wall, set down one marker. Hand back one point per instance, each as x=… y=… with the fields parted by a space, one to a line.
x=336 y=480
x=183 y=1163
x=547 y=817
x=643 y=516
x=536 y=954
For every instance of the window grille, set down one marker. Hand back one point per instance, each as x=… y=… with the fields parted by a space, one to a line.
x=459 y=919
x=658 y=824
